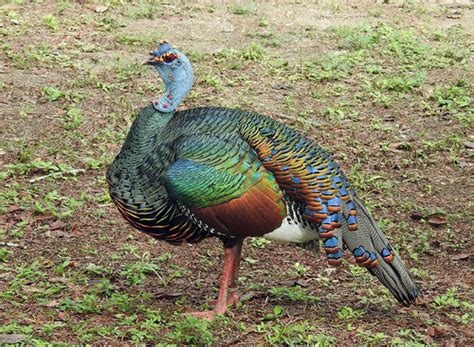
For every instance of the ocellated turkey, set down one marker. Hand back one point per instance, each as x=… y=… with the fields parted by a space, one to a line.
x=183 y=176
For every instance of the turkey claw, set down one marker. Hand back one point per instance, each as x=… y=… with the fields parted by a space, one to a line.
x=232 y=300
x=208 y=315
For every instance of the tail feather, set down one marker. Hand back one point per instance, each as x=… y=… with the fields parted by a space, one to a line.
x=389 y=268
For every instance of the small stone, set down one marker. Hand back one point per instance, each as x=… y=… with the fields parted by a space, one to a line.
x=11 y=338
x=469 y=144
x=282 y=86
x=101 y=8
x=462 y=164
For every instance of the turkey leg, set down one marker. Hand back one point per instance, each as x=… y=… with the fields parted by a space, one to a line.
x=233 y=297
x=229 y=277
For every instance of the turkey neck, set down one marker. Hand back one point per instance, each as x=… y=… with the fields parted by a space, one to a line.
x=147 y=127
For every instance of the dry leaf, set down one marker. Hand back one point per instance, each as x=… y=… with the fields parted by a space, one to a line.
x=462 y=256
x=52 y=303
x=13 y=208
x=436 y=331
x=436 y=219
x=62 y=316
x=42 y=218
x=57 y=225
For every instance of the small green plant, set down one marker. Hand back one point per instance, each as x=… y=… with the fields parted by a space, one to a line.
x=331 y=67
x=253 y=52
x=421 y=244
x=57 y=205
x=134 y=40
x=448 y=299
x=89 y=303
x=371 y=338
x=295 y=293
x=120 y=301
x=357 y=38
x=212 y=81
x=27 y=273
x=54 y=94
x=409 y=337
x=37 y=166
x=300 y=269
x=334 y=113
x=51 y=22
x=141 y=10
x=4 y=254
x=102 y=287
x=349 y=313
x=401 y=83
x=292 y=334
x=451 y=97
x=277 y=312
x=50 y=328
x=259 y=242
x=97 y=270
x=72 y=119
x=135 y=273
x=357 y=271
x=13 y=327
x=241 y=10
x=93 y=164
x=165 y=257
x=191 y=331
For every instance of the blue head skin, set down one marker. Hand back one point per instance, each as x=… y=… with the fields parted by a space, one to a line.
x=177 y=74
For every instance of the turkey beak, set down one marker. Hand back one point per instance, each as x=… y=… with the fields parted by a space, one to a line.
x=151 y=60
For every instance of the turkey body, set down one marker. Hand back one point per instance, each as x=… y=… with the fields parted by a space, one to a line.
x=198 y=173
x=188 y=175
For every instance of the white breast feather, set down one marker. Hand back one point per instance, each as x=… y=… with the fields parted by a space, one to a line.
x=290 y=231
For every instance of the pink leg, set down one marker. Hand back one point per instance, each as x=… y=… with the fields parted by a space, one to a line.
x=233 y=297
x=229 y=279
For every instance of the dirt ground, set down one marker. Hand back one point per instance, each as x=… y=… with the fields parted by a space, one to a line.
x=385 y=88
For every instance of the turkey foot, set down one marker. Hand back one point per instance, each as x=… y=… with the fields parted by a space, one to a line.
x=232 y=299
x=229 y=279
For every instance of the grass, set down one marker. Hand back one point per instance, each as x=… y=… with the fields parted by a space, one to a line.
x=390 y=96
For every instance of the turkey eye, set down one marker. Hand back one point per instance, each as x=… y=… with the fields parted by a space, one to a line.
x=168 y=58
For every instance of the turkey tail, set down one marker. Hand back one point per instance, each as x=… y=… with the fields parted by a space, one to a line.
x=372 y=250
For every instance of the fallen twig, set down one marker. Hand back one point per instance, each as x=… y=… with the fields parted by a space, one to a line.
x=54 y=174
x=10 y=244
